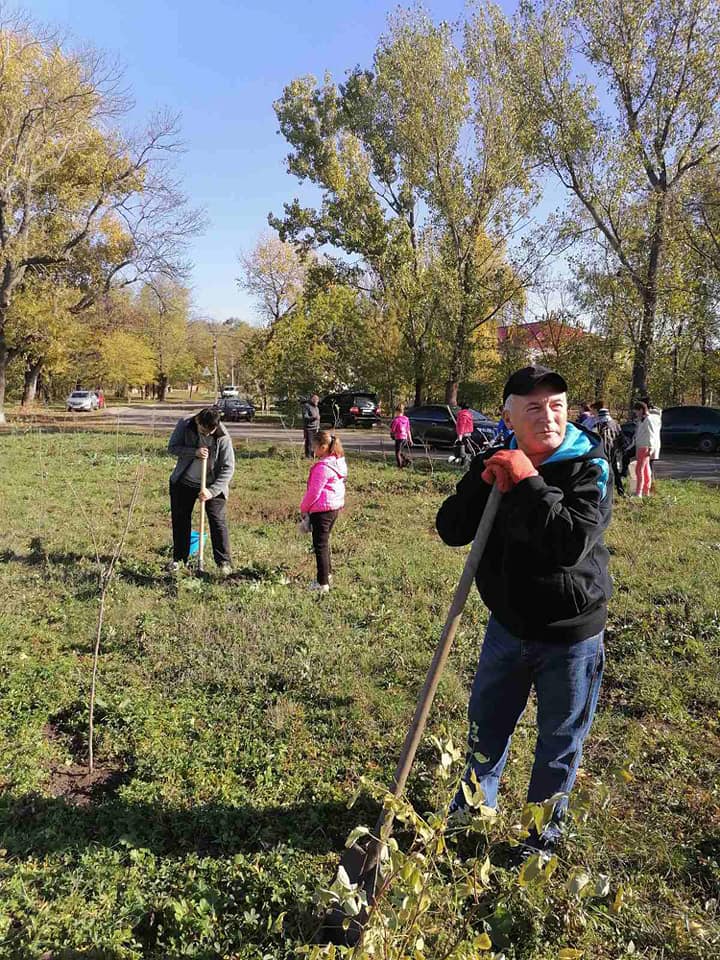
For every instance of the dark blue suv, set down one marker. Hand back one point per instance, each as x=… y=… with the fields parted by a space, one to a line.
x=686 y=428
x=693 y=428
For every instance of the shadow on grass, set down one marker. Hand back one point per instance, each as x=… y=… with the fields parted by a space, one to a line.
x=35 y=825
x=84 y=570
x=77 y=566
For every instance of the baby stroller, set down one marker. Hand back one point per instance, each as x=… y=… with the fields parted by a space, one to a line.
x=465 y=451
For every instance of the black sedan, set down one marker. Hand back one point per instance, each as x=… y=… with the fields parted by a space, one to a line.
x=434 y=424
x=233 y=409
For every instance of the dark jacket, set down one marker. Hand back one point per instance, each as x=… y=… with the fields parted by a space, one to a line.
x=311 y=415
x=184 y=442
x=544 y=573
x=612 y=438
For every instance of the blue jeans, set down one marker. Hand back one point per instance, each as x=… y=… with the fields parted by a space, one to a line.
x=566 y=677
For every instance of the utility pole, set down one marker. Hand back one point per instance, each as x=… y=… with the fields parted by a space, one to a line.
x=215 y=363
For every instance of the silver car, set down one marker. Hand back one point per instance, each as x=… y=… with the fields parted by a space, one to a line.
x=82 y=400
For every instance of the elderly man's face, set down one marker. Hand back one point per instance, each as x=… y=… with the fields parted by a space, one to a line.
x=539 y=420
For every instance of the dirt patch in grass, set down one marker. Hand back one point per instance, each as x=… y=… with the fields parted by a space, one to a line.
x=73 y=781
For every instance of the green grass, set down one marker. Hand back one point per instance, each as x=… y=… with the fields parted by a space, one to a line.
x=240 y=716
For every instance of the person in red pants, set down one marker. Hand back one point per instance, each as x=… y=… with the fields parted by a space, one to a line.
x=643 y=446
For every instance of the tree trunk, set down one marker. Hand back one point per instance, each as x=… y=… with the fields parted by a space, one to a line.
x=162 y=387
x=6 y=355
x=458 y=362
x=451 y=392
x=641 y=360
x=3 y=379
x=703 y=371
x=419 y=389
x=32 y=373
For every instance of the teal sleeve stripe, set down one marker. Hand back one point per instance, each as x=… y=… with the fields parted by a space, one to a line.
x=604 y=475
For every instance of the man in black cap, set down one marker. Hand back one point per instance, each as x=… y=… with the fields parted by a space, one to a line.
x=545 y=580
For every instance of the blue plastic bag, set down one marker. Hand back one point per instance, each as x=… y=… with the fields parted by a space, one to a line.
x=195 y=542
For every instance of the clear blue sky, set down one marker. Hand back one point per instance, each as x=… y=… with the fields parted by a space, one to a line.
x=221 y=64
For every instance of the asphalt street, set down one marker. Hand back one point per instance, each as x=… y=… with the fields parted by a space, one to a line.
x=161 y=418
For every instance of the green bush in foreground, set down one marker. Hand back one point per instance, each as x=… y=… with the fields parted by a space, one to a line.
x=235 y=719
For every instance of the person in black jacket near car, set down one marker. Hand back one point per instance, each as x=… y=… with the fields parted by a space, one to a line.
x=544 y=577
x=311 y=423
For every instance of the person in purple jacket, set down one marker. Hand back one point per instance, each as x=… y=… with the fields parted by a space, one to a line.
x=323 y=500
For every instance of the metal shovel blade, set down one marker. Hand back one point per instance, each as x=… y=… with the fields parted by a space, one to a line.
x=360 y=863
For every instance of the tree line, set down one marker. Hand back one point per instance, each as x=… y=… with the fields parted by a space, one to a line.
x=430 y=165
x=428 y=266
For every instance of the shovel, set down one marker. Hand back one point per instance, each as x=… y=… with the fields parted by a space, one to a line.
x=201 y=544
x=361 y=861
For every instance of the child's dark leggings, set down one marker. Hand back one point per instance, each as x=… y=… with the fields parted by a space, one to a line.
x=401 y=457
x=321 y=524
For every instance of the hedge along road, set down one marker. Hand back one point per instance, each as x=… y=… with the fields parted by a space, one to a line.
x=160 y=418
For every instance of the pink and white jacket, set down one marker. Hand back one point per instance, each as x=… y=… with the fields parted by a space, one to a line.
x=464 y=423
x=326 y=486
x=400 y=427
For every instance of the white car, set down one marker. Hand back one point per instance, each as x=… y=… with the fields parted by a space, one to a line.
x=230 y=391
x=82 y=400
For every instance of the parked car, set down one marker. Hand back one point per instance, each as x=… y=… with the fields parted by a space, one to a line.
x=434 y=424
x=230 y=391
x=82 y=400
x=350 y=407
x=694 y=428
x=234 y=409
x=686 y=428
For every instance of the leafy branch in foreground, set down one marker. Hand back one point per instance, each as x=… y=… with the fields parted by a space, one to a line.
x=448 y=890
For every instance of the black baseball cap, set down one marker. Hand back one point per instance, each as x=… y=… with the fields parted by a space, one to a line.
x=525 y=380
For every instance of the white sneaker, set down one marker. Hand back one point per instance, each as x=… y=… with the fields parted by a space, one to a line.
x=225 y=569
x=174 y=566
x=319 y=587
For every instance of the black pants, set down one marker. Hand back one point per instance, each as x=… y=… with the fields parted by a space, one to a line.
x=321 y=524
x=182 y=501
x=309 y=434
x=617 y=475
x=401 y=457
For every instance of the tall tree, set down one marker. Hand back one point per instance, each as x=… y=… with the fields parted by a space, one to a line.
x=624 y=152
x=273 y=273
x=345 y=140
x=458 y=127
x=164 y=313
x=65 y=170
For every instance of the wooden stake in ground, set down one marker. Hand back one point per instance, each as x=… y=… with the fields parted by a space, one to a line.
x=201 y=545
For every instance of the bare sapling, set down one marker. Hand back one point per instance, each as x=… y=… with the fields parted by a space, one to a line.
x=105 y=578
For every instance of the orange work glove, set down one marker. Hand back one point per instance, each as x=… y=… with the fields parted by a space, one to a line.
x=506 y=468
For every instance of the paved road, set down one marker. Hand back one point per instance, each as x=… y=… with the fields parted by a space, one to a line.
x=161 y=418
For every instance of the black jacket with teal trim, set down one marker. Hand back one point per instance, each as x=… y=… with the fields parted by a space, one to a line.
x=544 y=573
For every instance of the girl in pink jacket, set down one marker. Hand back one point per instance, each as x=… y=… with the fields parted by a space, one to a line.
x=464 y=426
x=323 y=500
x=402 y=435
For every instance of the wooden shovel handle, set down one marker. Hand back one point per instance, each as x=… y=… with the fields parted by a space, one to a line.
x=201 y=545
x=417 y=727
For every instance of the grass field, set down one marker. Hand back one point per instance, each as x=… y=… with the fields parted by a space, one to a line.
x=235 y=718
